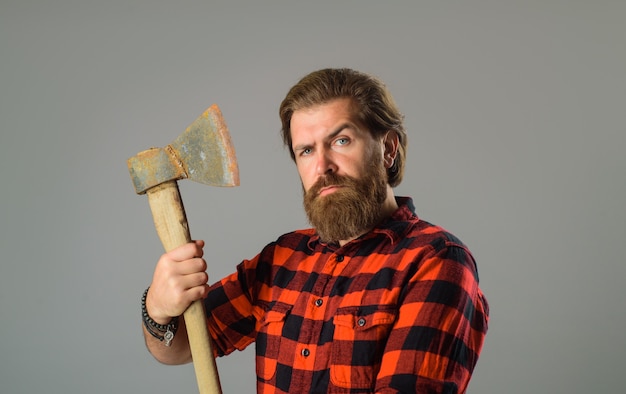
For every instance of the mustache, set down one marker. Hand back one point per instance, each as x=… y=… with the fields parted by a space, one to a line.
x=330 y=180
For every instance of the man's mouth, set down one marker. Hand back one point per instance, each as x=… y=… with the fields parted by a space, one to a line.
x=328 y=190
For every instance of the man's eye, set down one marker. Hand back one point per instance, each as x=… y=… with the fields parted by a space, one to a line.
x=342 y=141
x=305 y=151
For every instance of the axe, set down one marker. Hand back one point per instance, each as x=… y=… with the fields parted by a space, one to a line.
x=203 y=153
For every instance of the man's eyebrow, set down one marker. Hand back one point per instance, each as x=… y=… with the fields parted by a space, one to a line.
x=338 y=131
x=330 y=136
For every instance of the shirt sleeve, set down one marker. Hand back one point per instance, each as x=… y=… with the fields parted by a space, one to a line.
x=232 y=310
x=442 y=321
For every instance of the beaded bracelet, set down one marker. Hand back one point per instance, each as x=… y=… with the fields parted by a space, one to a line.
x=168 y=330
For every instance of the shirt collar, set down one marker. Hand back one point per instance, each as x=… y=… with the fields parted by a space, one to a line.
x=394 y=227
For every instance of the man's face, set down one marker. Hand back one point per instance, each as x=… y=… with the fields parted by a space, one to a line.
x=341 y=168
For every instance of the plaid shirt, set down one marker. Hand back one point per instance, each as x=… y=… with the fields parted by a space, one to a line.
x=396 y=310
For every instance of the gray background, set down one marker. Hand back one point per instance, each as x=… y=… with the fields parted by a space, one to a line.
x=515 y=111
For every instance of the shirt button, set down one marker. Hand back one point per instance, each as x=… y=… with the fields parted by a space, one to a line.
x=319 y=302
x=305 y=352
x=339 y=258
x=361 y=322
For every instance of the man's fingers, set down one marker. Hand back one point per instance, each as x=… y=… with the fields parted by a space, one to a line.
x=190 y=266
x=199 y=243
x=179 y=279
x=194 y=280
x=187 y=251
x=198 y=292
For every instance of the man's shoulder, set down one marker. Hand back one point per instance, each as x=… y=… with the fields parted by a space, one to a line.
x=300 y=233
x=296 y=239
x=425 y=238
x=435 y=231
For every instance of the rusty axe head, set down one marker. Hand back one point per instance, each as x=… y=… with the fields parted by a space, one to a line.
x=203 y=153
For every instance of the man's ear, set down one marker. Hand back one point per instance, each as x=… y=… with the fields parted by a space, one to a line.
x=390 y=142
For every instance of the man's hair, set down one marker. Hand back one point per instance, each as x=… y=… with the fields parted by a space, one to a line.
x=375 y=106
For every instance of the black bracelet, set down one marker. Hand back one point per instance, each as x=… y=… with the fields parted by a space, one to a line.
x=154 y=334
x=168 y=330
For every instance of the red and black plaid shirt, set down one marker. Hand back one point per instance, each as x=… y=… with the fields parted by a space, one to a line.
x=396 y=310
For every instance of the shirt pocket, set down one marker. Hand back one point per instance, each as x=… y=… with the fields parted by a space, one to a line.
x=268 y=340
x=358 y=344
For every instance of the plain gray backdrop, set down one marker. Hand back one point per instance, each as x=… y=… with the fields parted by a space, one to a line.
x=516 y=117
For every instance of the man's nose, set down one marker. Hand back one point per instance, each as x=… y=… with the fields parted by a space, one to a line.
x=325 y=163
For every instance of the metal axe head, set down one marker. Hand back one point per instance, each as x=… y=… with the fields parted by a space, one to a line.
x=203 y=153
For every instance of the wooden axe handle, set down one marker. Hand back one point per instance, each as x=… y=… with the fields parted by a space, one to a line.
x=171 y=225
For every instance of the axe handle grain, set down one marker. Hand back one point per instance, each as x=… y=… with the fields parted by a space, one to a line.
x=171 y=225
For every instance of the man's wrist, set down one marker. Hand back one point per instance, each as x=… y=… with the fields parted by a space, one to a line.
x=146 y=306
x=162 y=332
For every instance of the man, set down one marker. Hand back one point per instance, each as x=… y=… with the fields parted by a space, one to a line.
x=372 y=299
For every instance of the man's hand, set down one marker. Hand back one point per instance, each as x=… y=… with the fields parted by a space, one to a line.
x=179 y=279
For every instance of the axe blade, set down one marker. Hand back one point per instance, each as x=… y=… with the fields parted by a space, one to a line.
x=203 y=153
x=206 y=152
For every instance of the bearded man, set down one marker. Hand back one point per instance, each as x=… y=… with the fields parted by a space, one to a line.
x=371 y=299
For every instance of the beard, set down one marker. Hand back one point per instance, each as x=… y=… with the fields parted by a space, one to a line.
x=352 y=209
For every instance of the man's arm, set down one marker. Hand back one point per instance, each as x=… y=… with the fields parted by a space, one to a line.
x=178 y=351
x=439 y=332
x=179 y=279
